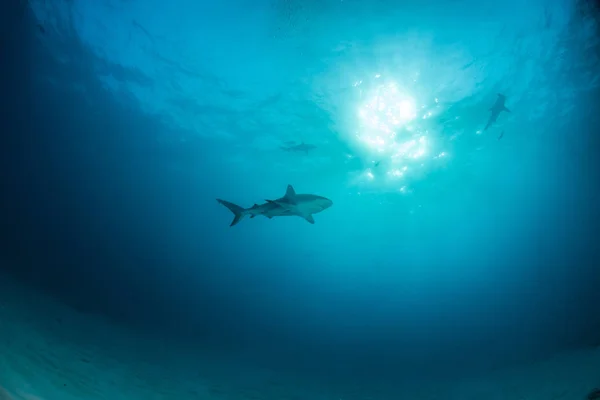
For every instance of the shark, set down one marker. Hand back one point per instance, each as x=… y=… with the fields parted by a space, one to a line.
x=291 y=204
x=496 y=109
x=299 y=147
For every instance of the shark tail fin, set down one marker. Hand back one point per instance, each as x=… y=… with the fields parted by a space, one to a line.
x=238 y=212
x=505 y=109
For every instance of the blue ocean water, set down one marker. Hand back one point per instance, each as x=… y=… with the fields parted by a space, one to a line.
x=459 y=257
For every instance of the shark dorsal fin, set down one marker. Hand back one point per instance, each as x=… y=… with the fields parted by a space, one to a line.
x=290 y=193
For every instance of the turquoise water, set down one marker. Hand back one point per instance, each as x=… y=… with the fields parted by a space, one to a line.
x=454 y=260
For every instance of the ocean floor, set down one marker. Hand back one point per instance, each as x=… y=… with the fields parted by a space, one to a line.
x=48 y=351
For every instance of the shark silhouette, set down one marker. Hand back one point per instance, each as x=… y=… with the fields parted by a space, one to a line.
x=301 y=205
x=299 y=147
x=496 y=109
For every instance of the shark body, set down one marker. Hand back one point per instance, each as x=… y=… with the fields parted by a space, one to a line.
x=496 y=109
x=302 y=147
x=301 y=205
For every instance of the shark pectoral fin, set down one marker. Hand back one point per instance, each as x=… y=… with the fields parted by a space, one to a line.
x=505 y=109
x=309 y=218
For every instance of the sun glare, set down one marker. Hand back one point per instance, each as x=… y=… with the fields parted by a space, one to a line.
x=392 y=129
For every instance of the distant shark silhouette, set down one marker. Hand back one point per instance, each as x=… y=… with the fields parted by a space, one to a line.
x=299 y=147
x=301 y=205
x=496 y=109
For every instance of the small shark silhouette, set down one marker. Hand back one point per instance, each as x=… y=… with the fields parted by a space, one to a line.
x=301 y=205
x=496 y=109
x=594 y=394
x=299 y=147
x=501 y=135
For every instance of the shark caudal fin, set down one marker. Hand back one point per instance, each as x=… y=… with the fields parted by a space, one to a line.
x=488 y=125
x=238 y=212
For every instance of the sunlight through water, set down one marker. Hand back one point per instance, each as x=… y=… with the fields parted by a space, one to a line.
x=394 y=132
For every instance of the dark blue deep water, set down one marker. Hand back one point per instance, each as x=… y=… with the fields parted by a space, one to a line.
x=451 y=253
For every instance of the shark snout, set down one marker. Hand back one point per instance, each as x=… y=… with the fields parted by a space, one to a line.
x=326 y=203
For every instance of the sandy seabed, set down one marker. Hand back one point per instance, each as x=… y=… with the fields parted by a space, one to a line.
x=49 y=351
